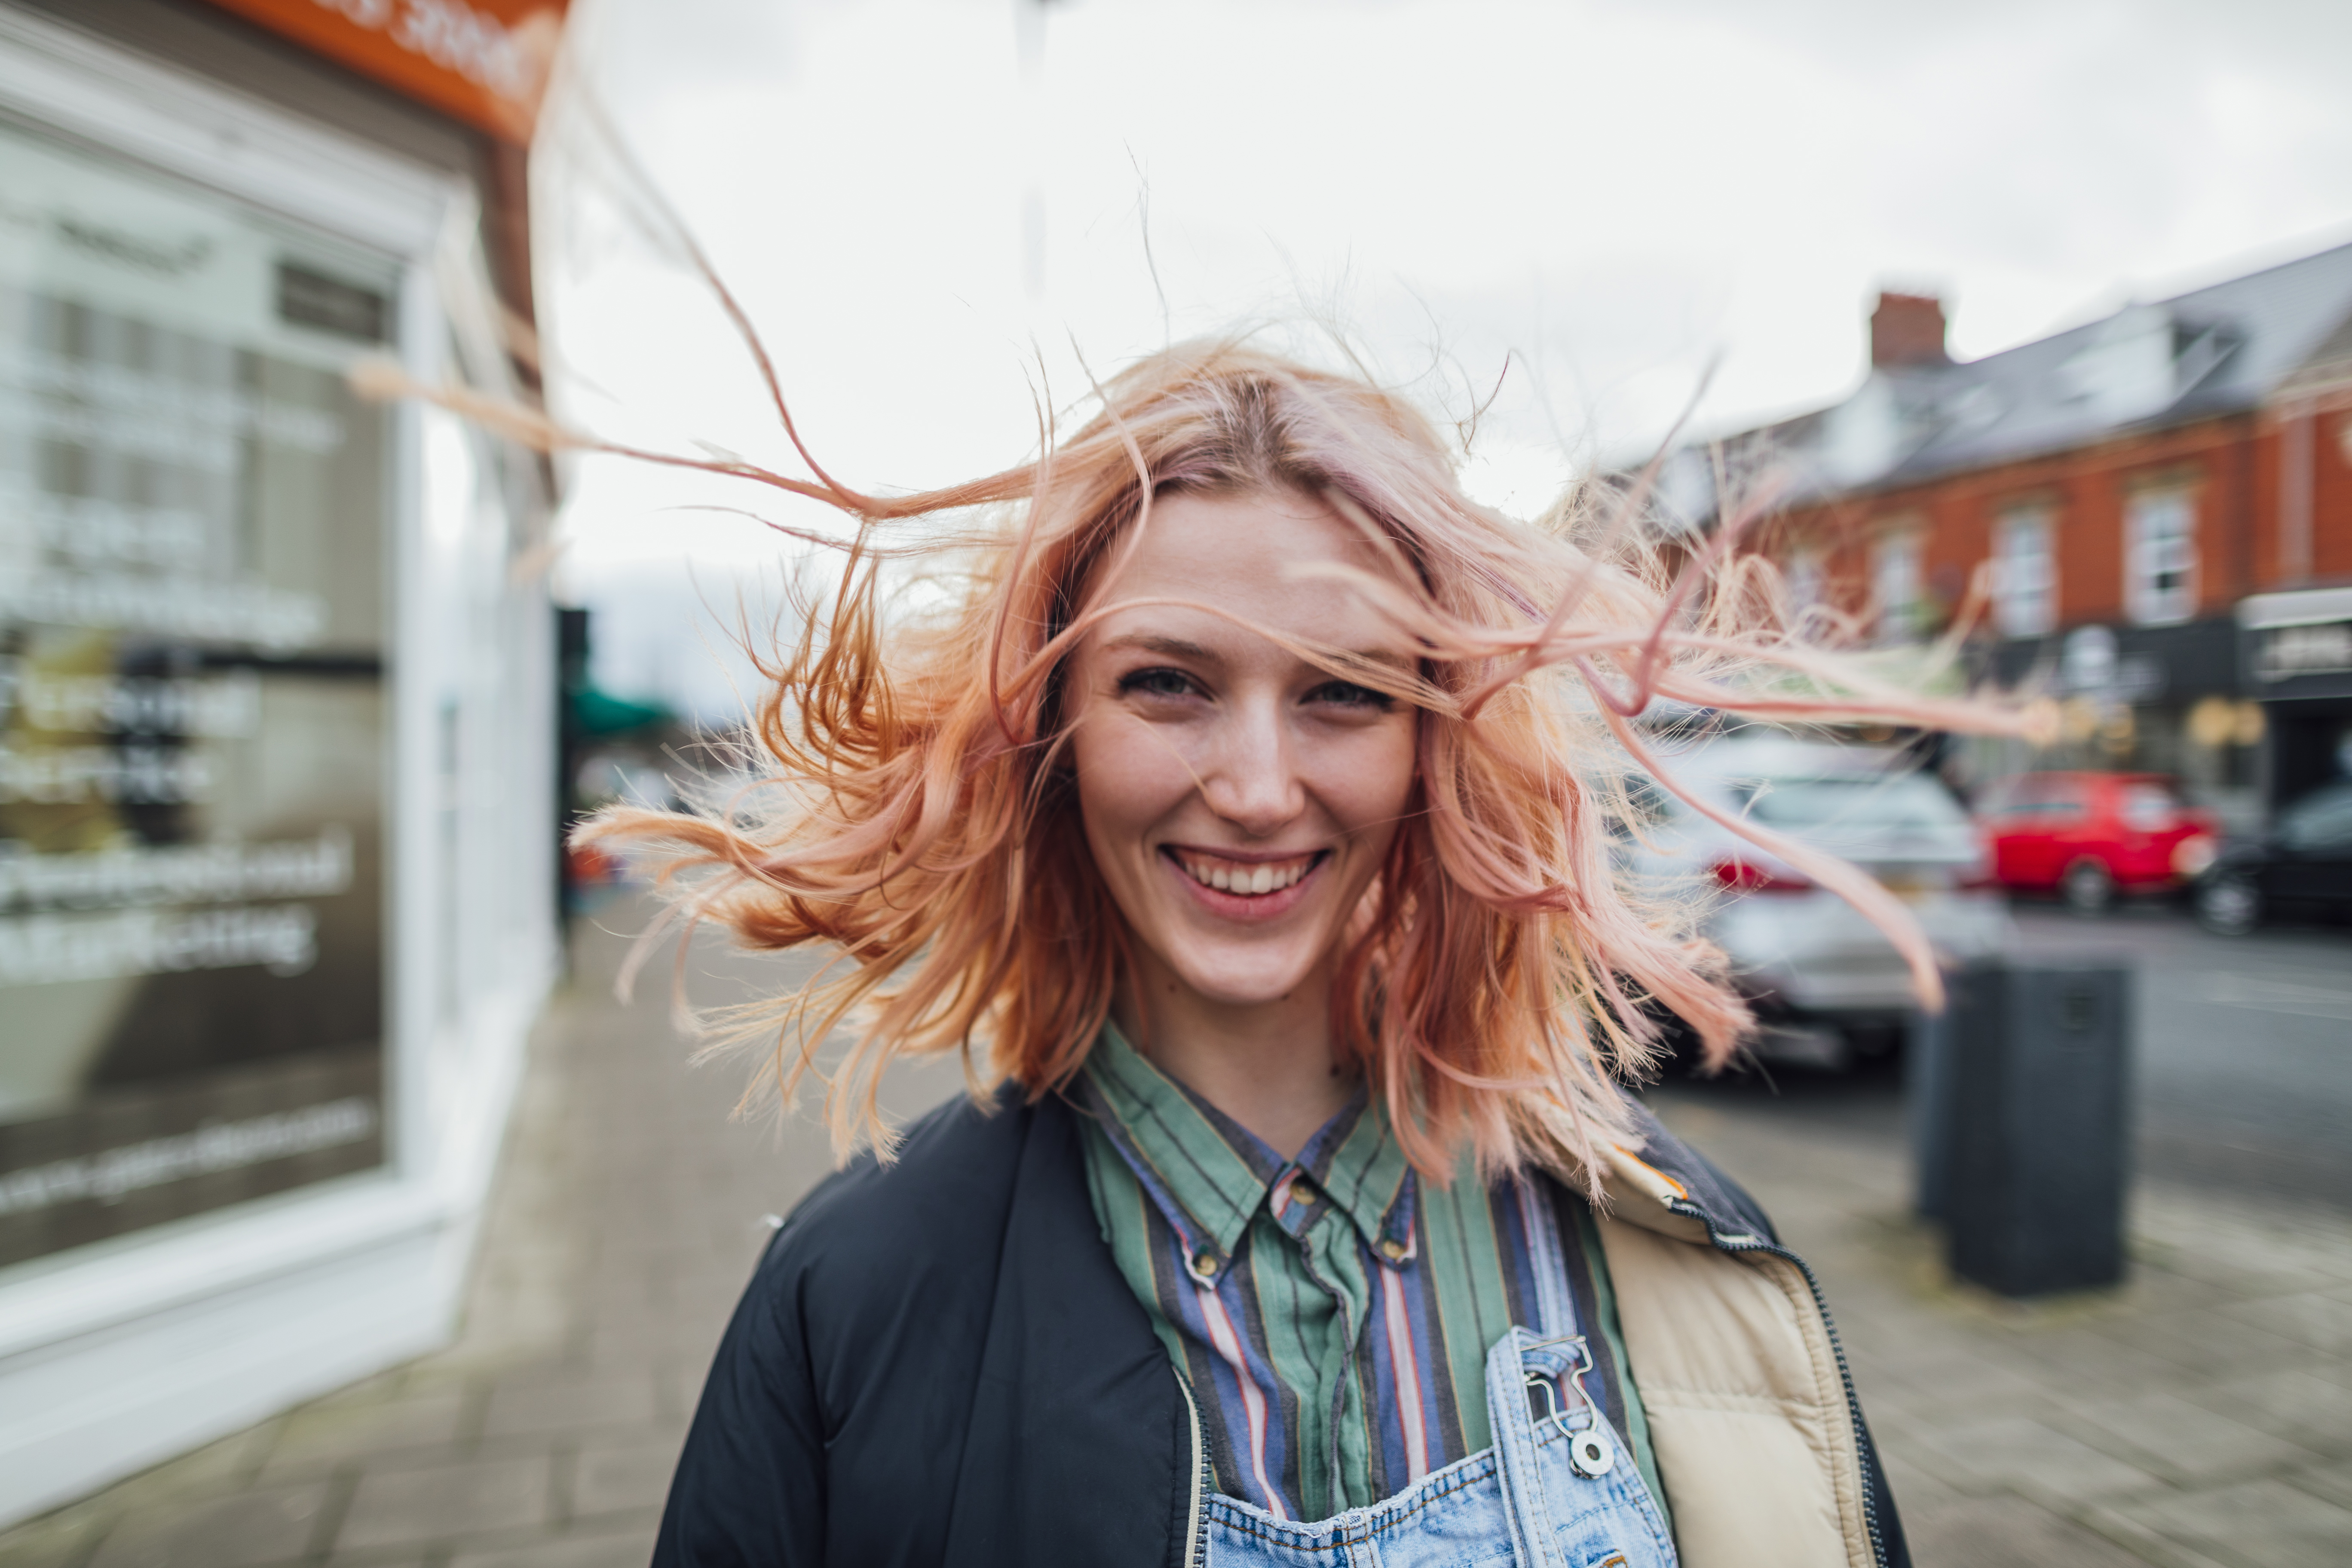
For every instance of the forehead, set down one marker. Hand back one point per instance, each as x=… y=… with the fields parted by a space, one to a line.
x=1243 y=554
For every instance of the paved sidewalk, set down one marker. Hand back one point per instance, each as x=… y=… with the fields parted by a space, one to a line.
x=2200 y=1417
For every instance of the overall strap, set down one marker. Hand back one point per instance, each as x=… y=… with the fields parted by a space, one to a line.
x=1531 y=1525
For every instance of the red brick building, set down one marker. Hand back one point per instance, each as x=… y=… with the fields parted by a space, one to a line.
x=2159 y=504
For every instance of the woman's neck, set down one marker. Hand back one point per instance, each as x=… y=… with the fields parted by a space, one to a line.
x=1268 y=1066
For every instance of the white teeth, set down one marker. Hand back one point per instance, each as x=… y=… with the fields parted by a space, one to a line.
x=1250 y=881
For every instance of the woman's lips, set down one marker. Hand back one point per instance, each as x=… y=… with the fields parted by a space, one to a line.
x=1245 y=889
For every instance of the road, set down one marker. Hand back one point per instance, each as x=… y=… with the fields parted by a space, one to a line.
x=2242 y=1074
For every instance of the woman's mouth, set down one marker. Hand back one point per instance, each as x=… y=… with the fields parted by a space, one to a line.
x=1244 y=878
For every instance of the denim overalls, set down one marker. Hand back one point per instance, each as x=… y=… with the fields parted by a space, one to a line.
x=1558 y=1490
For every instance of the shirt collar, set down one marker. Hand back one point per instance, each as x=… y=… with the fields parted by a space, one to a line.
x=1209 y=1175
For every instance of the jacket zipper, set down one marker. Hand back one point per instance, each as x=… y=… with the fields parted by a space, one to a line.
x=1196 y=1522
x=1723 y=1243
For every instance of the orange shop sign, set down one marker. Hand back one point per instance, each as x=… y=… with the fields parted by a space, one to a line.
x=484 y=61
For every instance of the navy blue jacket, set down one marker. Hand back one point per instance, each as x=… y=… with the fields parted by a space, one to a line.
x=937 y=1363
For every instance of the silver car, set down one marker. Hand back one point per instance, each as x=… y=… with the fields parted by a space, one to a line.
x=1826 y=982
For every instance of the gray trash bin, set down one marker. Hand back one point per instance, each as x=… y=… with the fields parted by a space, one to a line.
x=2020 y=1124
x=1927 y=1100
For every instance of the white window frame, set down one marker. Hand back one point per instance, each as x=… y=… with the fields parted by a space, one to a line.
x=2025 y=572
x=2161 y=556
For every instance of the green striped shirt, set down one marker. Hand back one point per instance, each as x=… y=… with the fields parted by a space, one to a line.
x=1333 y=1312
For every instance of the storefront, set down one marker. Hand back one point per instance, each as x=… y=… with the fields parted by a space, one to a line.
x=275 y=720
x=2298 y=654
x=2165 y=700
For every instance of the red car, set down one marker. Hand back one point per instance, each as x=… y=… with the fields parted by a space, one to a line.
x=2089 y=837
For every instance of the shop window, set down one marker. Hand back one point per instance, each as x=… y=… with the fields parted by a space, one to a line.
x=1895 y=582
x=2025 y=574
x=193 y=507
x=2160 y=557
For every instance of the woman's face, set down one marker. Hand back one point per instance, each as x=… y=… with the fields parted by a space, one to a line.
x=1238 y=799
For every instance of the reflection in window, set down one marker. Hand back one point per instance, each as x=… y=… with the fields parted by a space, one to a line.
x=2321 y=820
x=1904 y=801
x=2149 y=807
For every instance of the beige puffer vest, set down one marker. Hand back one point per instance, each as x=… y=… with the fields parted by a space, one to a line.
x=1751 y=1412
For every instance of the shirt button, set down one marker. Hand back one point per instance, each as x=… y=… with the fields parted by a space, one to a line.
x=1392 y=1249
x=1204 y=1263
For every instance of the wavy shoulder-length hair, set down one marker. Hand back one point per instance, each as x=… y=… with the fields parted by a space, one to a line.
x=918 y=812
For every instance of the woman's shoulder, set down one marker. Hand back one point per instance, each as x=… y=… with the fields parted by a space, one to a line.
x=938 y=1207
x=1698 y=1187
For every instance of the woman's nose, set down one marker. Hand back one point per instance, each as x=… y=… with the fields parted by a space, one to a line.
x=1254 y=783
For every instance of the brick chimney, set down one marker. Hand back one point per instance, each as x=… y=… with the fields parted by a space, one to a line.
x=1908 y=330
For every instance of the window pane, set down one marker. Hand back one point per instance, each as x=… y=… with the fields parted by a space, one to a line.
x=2024 y=575
x=2322 y=820
x=192 y=515
x=2149 y=807
x=1801 y=803
x=2160 y=557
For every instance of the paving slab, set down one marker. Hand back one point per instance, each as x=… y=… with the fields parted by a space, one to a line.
x=566 y=1397
x=272 y=1524
x=2301 y=1406
x=323 y=1439
x=2185 y=1443
x=2319 y=1319
x=2259 y=1524
x=2004 y=1530
x=2331 y=1482
x=620 y=1549
x=2023 y=1456
x=441 y=1504
x=619 y=1480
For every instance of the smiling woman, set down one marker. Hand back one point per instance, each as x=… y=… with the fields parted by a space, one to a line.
x=1244 y=821
x=1239 y=799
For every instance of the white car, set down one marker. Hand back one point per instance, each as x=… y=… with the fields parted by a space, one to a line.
x=1826 y=982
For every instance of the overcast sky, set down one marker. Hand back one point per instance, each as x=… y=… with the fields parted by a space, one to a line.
x=1606 y=195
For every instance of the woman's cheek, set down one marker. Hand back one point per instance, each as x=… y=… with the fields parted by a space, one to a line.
x=1370 y=782
x=1140 y=775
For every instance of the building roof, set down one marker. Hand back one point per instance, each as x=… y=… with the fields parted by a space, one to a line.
x=2217 y=349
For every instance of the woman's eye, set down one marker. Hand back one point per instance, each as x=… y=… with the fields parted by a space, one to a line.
x=1348 y=694
x=1156 y=683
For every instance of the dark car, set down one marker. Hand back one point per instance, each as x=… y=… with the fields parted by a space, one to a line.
x=2302 y=866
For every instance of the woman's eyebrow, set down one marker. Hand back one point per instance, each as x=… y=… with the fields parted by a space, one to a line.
x=1177 y=647
x=1173 y=647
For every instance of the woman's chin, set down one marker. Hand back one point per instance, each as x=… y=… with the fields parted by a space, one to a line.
x=1227 y=978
